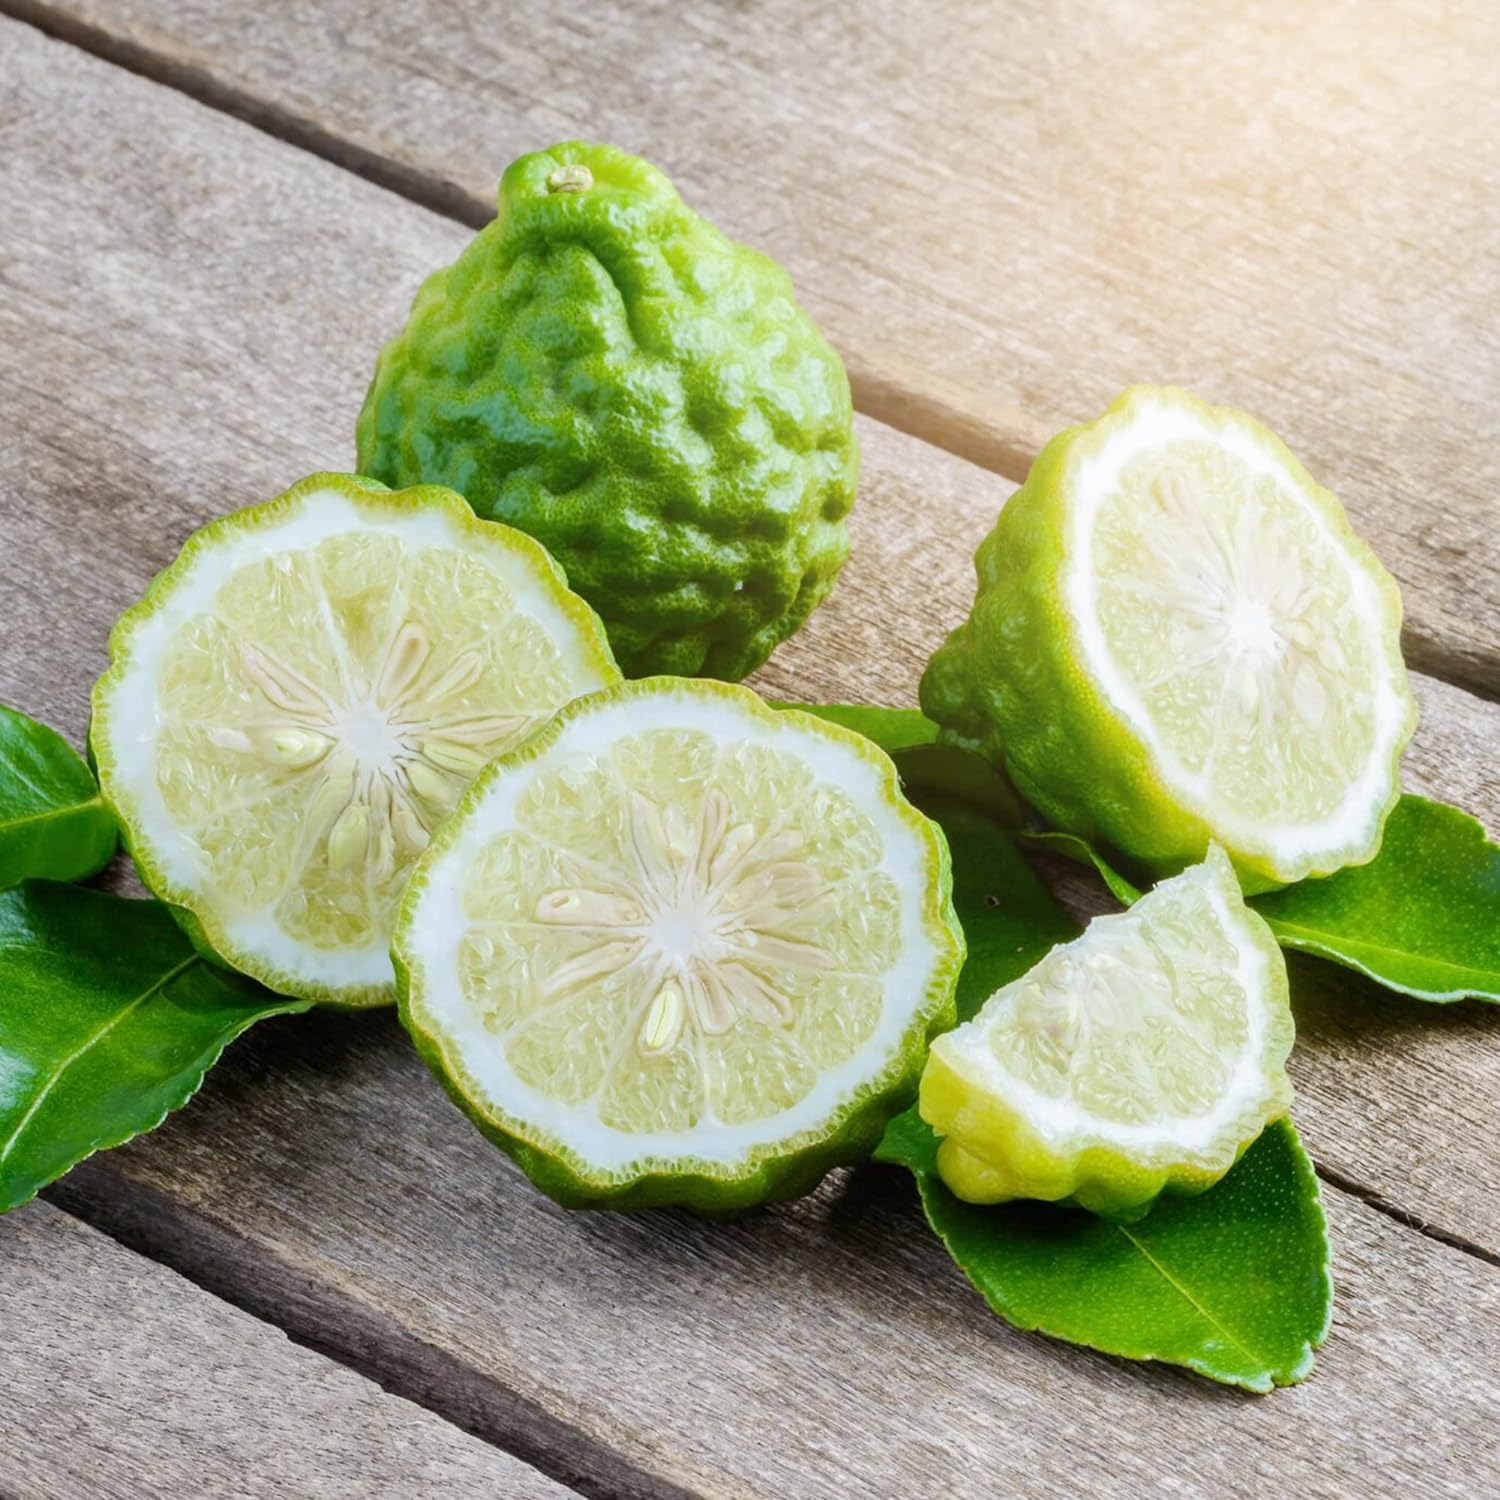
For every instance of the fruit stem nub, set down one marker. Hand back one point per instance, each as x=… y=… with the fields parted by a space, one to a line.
x=573 y=177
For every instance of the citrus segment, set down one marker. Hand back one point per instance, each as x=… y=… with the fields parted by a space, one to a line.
x=681 y=948
x=1178 y=638
x=302 y=697
x=1147 y=1053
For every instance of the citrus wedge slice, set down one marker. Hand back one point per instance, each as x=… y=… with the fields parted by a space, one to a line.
x=1145 y=1054
x=300 y=699
x=681 y=948
x=1178 y=638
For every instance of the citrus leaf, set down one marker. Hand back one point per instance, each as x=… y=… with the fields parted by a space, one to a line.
x=52 y=821
x=909 y=737
x=949 y=770
x=892 y=729
x=1234 y=1283
x=1008 y=916
x=1080 y=851
x=109 y=1019
x=1422 y=918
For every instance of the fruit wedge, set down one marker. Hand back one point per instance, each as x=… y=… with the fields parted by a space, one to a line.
x=1144 y=1055
x=301 y=697
x=1178 y=638
x=681 y=948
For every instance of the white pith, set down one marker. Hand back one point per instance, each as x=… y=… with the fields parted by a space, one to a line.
x=1248 y=628
x=434 y=926
x=364 y=754
x=1062 y=1121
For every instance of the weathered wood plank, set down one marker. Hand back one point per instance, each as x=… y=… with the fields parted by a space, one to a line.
x=189 y=314
x=1004 y=215
x=189 y=309
x=122 y=1380
x=826 y=1348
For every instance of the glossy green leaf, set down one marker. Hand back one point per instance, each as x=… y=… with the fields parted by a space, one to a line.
x=892 y=729
x=1423 y=917
x=1234 y=1283
x=109 y=1019
x=1080 y=851
x=909 y=737
x=52 y=821
x=1008 y=916
x=947 y=770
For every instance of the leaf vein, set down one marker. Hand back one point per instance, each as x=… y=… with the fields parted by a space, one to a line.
x=6 y=824
x=1189 y=1298
x=89 y=1041
x=1338 y=944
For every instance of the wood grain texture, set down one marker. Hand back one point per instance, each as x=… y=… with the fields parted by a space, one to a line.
x=1005 y=214
x=826 y=1348
x=122 y=1380
x=189 y=310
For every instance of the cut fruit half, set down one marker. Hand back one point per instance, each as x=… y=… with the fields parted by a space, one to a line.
x=681 y=948
x=1178 y=638
x=300 y=699
x=1146 y=1054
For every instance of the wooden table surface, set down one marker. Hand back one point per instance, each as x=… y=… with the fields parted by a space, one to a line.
x=317 y=1280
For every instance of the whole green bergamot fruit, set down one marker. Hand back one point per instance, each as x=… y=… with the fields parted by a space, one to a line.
x=603 y=369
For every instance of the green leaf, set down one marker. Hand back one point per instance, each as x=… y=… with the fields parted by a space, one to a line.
x=892 y=729
x=108 y=1020
x=1234 y=1283
x=1008 y=916
x=948 y=770
x=1422 y=918
x=910 y=1142
x=1080 y=851
x=909 y=737
x=52 y=821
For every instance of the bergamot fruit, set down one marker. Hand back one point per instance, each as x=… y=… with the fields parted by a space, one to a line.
x=681 y=948
x=1145 y=1055
x=301 y=697
x=604 y=370
x=1178 y=638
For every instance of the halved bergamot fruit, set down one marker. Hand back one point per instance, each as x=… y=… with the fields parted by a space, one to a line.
x=1144 y=1055
x=681 y=948
x=1178 y=638
x=300 y=699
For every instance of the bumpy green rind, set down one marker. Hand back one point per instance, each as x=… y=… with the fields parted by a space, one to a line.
x=772 y=1172
x=1010 y=682
x=197 y=920
x=606 y=371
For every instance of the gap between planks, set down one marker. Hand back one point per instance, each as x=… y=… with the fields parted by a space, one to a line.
x=334 y=1323
x=997 y=436
x=127 y=1380
x=1375 y=1200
